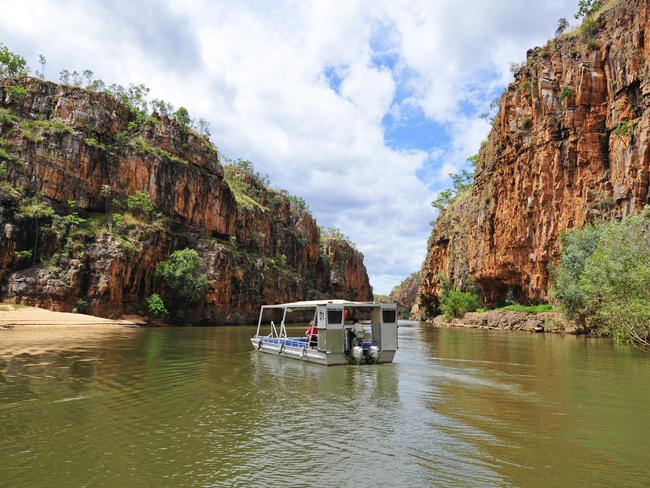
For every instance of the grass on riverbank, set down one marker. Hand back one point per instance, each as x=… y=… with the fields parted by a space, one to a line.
x=9 y=307
x=531 y=309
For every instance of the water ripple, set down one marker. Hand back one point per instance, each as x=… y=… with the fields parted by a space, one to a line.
x=197 y=407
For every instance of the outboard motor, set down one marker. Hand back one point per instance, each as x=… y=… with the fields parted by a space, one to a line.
x=374 y=353
x=357 y=354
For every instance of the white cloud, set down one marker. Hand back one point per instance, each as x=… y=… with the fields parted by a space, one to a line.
x=257 y=71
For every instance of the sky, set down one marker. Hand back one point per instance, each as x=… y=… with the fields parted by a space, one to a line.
x=361 y=107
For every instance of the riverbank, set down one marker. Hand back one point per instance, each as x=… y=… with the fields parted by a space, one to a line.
x=553 y=322
x=18 y=317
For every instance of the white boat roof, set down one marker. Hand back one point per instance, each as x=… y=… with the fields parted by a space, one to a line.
x=324 y=301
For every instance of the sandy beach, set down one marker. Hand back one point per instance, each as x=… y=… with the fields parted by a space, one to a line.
x=17 y=317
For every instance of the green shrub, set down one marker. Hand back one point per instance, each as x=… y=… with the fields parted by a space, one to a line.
x=7 y=116
x=182 y=116
x=122 y=137
x=457 y=303
x=592 y=44
x=3 y=169
x=11 y=64
x=9 y=192
x=587 y=8
x=140 y=202
x=526 y=122
x=444 y=199
x=603 y=278
x=49 y=127
x=5 y=156
x=17 y=90
x=81 y=306
x=118 y=220
x=588 y=28
x=155 y=307
x=461 y=183
x=566 y=92
x=30 y=136
x=183 y=282
x=133 y=96
x=128 y=246
x=246 y=195
x=562 y=25
x=92 y=142
x=74 y=219
x=298 y=204
x=332 y=233
x=625 y=127
x=142 y=146
x=577 y=246
x=616 y=278
x=23 y=255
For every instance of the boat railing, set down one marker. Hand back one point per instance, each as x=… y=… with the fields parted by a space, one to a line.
x=274 y=331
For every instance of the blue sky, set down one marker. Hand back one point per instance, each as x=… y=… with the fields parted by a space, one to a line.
x=362 y=107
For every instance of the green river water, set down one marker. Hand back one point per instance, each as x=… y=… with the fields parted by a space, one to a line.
x=197 y=407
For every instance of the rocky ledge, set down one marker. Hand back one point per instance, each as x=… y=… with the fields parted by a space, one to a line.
x=505 y=320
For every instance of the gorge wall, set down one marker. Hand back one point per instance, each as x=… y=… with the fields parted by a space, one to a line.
x=570 y=144
x=405 y=294
x=72 y=158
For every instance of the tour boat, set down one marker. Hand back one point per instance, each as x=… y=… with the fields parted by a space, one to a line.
x=342 y=332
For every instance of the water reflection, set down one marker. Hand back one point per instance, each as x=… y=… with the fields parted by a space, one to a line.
x=193 y=406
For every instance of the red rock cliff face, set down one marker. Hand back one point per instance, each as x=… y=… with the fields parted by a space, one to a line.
x=405 y=294
x=571 y=143
x=347 y=273
x=83 y=153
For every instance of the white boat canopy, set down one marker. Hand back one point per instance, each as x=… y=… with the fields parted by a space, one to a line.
x=315 y=303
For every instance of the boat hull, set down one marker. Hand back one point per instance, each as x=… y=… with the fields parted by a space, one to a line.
x=302 y=353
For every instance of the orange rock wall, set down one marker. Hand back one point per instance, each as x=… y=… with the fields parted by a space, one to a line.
x=265 y=254
x=559 y=155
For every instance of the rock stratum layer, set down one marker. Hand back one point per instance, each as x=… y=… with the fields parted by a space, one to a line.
x=570 y=144
x=82 y=154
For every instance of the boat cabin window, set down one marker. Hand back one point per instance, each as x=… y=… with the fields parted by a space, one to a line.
x=334 y=316
x=388 y=316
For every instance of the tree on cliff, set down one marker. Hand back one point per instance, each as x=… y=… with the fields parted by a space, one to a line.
x=562 y=25
x=11 y=64
x=181 y=278
x=182 y=116
x=461 y=182
x=587 y=8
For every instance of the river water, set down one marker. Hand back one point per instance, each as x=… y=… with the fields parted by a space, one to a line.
x=197 y=407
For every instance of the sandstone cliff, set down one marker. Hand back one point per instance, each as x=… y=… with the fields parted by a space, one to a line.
x=570 y=143
x=73 y=157
x=405 y=294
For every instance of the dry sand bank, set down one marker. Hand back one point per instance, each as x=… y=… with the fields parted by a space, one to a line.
x=14 y=317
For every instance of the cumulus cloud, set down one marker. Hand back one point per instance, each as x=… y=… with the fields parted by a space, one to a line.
x=309 y=90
